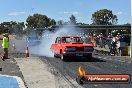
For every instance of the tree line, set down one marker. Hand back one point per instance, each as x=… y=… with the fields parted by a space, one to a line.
x=11 y=27
x=100 y=17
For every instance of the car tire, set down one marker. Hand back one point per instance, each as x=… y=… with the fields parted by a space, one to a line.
x=63 y=58
x=55 y=55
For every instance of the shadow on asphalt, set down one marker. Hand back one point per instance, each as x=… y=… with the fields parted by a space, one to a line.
x=0 y=69
x=85 y=60
x=79 y=59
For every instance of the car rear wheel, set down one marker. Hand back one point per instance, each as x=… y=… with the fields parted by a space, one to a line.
x=55 y=55
x=63 y=58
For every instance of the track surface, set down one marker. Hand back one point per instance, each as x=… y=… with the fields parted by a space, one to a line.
x=98 y=65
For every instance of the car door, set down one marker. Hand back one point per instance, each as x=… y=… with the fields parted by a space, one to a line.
x=57 y=45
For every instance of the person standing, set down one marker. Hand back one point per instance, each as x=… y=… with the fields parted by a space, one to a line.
x=120 y=44
x=5 y=45
x=101 y=40
x=110 y=40
x=113 y=49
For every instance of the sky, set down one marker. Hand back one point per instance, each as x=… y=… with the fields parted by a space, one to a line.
x=19 y=10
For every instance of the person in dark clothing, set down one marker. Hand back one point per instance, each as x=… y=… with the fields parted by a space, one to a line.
x=113 y=50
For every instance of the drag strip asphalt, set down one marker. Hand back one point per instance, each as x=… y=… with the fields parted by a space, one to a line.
x=98 y=65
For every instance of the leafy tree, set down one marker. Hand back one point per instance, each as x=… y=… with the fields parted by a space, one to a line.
x=12 y=27
x=13 y=23
x=127 y=24
x=39 y=21
x=52 y=22
x=80 y=23
x=21 y=25
x=104 y=17
x=60 y=22
x=18 y=28
x=73 y=19
x=6 y=27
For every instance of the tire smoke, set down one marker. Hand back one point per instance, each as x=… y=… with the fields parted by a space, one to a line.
x=48 y=38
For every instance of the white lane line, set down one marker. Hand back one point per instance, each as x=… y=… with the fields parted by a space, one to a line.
x=121 y=61
x=105 y=58
x=96 y=85
x=129 y=62
x=109 y=59
x=116 y=66
x=99 y=57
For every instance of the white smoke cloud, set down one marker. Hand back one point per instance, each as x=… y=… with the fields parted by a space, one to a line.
x=48 y=38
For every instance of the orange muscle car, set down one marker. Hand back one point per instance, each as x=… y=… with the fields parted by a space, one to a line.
x=68 y=46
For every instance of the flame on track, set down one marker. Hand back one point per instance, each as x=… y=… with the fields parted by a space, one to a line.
x=81 y=71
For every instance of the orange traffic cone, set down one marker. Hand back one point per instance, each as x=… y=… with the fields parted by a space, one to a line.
x=27 y=52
